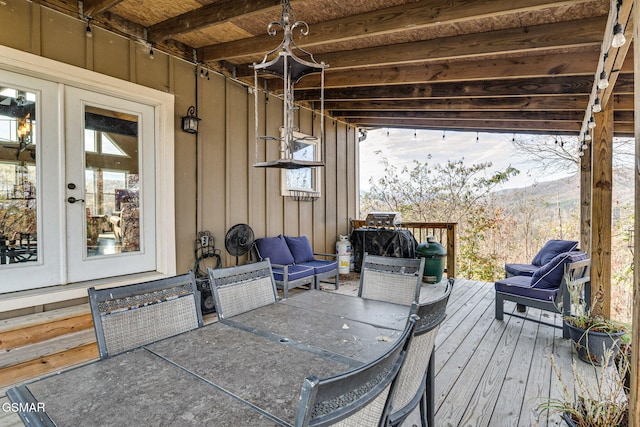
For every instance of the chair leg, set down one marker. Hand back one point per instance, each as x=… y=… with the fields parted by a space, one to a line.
x=427 y=408
x=499 y=307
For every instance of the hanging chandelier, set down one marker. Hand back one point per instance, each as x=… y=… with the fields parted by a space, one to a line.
x=283 y=63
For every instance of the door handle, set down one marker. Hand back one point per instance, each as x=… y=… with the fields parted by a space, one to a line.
x=73 y=200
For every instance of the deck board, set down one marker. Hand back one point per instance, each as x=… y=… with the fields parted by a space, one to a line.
x=496 y=373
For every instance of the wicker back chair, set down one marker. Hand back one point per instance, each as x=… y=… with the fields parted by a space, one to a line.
x=239 y=289
x=130 y=316
x=389 y=279
x=415 y=382
x=359 y=397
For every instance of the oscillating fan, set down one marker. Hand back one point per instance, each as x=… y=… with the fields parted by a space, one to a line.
x=239 y=240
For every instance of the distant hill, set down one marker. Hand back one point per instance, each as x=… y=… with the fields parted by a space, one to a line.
x=566 y=191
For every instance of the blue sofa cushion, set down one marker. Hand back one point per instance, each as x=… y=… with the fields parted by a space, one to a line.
x=551 y=249
x=550 y=275
x=520 y=269
x=294 y=272
x=521 y=285
x=274 y=248
x=300 y=249
x=321 y=266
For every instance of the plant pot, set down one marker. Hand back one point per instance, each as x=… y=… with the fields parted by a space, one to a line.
x=591 y=346
x=567 y=419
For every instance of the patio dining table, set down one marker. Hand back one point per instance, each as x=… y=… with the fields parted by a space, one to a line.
x=247 y=370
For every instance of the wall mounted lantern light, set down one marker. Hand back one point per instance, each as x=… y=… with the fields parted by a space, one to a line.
x=190 y=121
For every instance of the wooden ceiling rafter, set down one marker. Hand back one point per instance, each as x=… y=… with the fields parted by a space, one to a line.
x=462 y=61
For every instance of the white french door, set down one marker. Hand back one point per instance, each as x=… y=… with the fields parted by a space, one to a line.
x=109 y=186
x=77 y=184
x=30 y=206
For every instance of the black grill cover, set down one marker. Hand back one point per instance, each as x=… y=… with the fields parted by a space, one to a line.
x=383 y=242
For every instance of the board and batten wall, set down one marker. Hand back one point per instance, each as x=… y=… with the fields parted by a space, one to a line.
x=216 y=185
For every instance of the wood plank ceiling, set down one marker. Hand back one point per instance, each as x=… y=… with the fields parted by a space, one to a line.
x=525 y=66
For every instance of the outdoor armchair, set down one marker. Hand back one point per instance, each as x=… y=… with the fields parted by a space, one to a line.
x=359 y=397
x=239 y=289
x=390 y=279
x=548 y=288
x=127 y=317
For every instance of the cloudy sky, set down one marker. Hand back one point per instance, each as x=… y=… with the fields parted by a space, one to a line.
x=401 y=147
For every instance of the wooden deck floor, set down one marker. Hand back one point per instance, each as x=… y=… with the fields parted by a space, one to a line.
x=495 y=373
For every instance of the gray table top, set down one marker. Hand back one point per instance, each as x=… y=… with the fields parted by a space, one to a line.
x=137 y=389
x=261 y=371
x=319 y=332
x=247 y=370
x=384 y=315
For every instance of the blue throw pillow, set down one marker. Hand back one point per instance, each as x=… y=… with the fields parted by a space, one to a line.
x=300 y=249
x=551 y=249
x=550 y=275
x=274 y=248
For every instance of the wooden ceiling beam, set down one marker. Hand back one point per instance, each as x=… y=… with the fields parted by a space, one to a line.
x=95 y=7
x=530 y=40
x=508 y=116
x=406 y=17
x=562 y=64
x=556 y=86
x=214 y=13
x=523 y=103
x=477 y=125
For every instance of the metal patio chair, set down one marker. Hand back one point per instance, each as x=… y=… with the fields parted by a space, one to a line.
x=127 y=317
x=389 y=279
x=416 y=382
x=359 y=397
x=239 y=289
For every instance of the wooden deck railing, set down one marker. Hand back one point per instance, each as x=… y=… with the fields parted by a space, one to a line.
x=444 y=233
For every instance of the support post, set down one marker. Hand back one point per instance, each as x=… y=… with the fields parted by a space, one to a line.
x=585 y=201
x=601 y=203
x=634 y=404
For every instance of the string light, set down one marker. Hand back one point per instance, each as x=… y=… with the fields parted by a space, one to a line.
x=592 y=123
x=618 y=39
x=151 y=55
x=618 y=36
x=603 y=82
x=596 y=106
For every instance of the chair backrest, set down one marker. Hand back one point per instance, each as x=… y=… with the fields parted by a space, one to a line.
x=411 y=381
x=577 y=276
x=239 y=289
x=359 y=397
x=391 y=279
x=127 y=317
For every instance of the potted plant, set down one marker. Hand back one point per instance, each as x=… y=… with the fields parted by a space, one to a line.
x=597 y=403
x=592 y=335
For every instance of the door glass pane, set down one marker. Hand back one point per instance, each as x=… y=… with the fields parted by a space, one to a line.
x=111 y=182
x=18 y=184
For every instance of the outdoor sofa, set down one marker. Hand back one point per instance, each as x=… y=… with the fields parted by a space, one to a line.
x=295 y=264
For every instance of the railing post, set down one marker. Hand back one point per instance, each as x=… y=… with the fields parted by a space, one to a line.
x=451 y=250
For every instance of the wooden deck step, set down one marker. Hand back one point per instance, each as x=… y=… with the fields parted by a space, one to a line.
x=40 y=343
x=33 y=328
